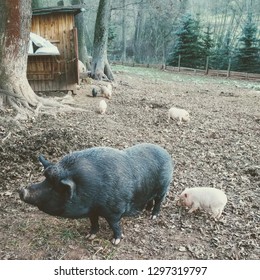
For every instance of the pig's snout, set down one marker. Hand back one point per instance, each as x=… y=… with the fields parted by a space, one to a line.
x=23 y=193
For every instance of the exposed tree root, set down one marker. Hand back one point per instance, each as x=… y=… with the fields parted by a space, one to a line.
x=36 y=105
x=101 y=70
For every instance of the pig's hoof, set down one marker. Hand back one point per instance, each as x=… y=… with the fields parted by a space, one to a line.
x=153 y=217
x=91 y=236
x=116 y=241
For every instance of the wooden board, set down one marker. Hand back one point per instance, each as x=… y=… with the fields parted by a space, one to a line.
x=52 y=73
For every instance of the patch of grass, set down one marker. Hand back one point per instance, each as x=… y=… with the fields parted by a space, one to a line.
x=69 y=234
x=23 y=226
x=103 y=247
x=158 y=75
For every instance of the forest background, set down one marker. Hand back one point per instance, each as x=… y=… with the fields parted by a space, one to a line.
x=189 y=32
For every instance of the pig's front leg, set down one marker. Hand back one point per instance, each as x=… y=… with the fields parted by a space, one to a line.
x=116 y=228
x=216 y=213
x=194 y=207
x=179 y=121
x=94 y=226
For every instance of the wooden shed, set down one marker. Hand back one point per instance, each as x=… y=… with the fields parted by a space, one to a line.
x=55 y=72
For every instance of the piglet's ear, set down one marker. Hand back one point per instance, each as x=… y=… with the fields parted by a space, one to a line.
x=70 y=185
x=44 y=161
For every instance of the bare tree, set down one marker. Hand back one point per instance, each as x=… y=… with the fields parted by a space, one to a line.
x=155 y=22
x=100 y=66
x=81 y=27
x=138 y=31
x=80 y=21
x=124 y=31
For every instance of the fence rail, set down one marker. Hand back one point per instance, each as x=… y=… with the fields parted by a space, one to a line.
x=193 y=71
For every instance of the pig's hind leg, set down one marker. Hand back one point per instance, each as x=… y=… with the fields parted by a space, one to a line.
x=157 y=206
x=149 y=205
x=94 y=226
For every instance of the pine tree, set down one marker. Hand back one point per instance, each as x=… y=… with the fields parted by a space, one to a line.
x=207 y=45
x=188 y=43
x=222 y=53
x=207 y=42
x=247 y=55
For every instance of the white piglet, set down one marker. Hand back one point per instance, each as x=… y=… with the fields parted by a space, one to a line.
x=106 y=91
x=209 y=199
x=81 y=67
x=179 y=114
x=102 y=107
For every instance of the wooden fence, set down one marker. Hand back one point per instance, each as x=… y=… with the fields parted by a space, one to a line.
x=192 y=71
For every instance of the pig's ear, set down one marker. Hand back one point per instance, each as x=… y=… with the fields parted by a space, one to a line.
x=44 y=161
x=70 y=185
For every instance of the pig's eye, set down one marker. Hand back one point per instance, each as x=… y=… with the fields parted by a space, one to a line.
x=51 y=175
x=60 y=188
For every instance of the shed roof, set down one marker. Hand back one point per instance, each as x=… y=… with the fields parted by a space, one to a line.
x=75 y=9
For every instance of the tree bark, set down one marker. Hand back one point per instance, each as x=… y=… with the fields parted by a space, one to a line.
x=14 y=38
x=80 y=21
x=83 y=52
x=100 y=66
x=138 y=33
x=15 y=90
x=124 y=32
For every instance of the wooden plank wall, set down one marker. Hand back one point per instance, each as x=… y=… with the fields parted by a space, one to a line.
x=51 y=73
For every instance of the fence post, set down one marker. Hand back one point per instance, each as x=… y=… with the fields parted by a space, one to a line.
x=179 y=63
x=229 y=67
x=207 y=66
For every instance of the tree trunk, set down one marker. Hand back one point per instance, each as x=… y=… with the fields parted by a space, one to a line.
x=80 y=21
x=138 y=33
x=14 y=38
x=83 y=52
x=124 y=33
x=15 y=90
x=100 y=66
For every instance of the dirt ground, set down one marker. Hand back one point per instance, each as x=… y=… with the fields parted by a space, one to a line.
x=218 y=148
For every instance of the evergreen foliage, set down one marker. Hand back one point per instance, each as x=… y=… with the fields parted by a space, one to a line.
x=193 y=46
x=247 y=56
x=207 y=42
x=222 y=53
x=188 y=44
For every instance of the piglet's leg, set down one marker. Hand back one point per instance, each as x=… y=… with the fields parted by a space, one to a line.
x=179 y=121
x=194 y=207
x=216 y=213
x=94 y=227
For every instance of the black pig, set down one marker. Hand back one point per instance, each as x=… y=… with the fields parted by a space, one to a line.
x=103 y=182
